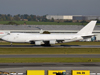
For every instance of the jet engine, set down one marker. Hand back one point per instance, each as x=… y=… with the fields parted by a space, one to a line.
x=49 y=42
x=43 y=42
x=52 y=41
x=38 y=42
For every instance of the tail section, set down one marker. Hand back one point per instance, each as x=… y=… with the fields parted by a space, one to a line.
x=87 y=30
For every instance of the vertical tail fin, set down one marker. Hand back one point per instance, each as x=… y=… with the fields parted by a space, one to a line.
x=87 y=30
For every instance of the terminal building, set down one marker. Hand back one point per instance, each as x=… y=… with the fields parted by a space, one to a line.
x=53 y=29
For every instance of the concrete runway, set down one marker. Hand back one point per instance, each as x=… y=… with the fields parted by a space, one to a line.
x=67 y=46
x=51 y=56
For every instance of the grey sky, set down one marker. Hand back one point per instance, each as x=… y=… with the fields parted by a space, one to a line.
x=50 y=7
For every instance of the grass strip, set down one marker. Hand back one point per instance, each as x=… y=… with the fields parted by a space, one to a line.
x=47 y=60
x=81 y=43
x=45 y=23
x=68 y=43
x=49 y=50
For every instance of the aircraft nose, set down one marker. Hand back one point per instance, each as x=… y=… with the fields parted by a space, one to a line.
x=4 y=38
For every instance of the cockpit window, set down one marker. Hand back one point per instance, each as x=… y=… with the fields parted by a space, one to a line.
x=8 y=33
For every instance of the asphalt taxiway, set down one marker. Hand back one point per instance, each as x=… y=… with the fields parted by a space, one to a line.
x=7 y=65
x=67 y=46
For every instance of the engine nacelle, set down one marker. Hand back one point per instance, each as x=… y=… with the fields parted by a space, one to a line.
x=52 y=41
x=43 y=42
x=38 y=42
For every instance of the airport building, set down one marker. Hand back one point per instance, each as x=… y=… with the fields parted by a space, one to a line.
x=64 y=17
x=72 y=17
x=53 y=29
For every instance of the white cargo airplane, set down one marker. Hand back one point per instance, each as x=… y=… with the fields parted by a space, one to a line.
x=47 y=39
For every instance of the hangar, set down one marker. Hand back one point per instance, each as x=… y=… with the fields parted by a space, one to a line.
x=53 y=29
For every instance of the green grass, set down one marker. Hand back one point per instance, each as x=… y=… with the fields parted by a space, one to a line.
x=4 y=22
x=41 y=23
x=81 y=43
x=47 y=60
x=45 y=23
x=49 y=50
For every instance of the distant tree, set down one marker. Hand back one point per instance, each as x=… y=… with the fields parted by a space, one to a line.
x=38 y=18
x=9 y=15
x=25 y=16
x=19 y=15
x=34 y=17
x=44 y=19
x=52 y=20
x=22 y=17
x=83 y=22
x=68 y=21
x=98 y=21
x=29 y=18
x=16 y=18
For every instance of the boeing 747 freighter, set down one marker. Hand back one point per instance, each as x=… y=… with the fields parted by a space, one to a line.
x=47 y=39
